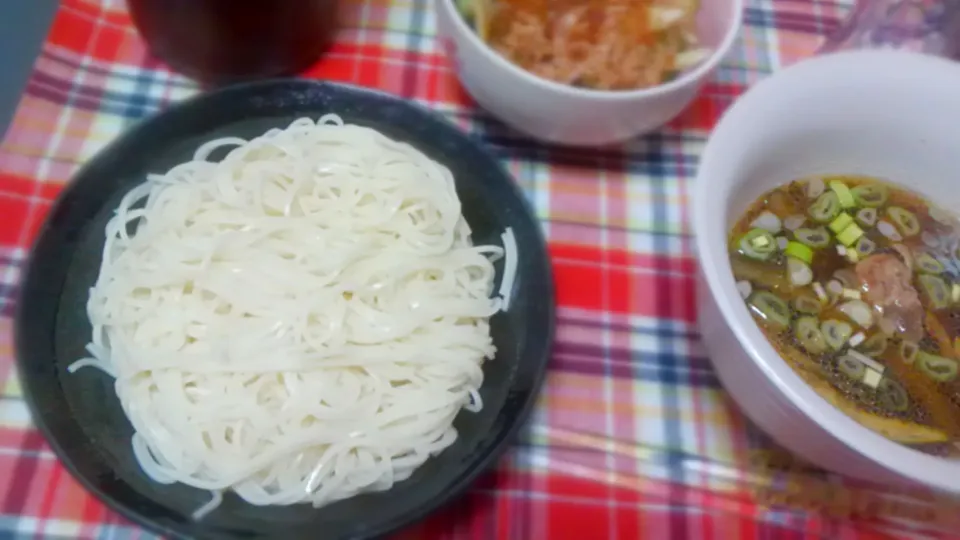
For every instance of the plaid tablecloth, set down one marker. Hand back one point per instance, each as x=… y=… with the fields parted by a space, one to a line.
x=628 y=365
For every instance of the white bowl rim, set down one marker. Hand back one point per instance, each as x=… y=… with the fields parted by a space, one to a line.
x=913 y=464
x=684 y=80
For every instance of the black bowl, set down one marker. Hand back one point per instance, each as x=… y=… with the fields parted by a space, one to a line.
x=79 y=414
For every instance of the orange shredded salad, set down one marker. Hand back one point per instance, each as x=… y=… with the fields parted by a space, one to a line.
x=598 y=44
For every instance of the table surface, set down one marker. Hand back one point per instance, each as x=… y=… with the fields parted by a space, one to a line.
x=628 y=364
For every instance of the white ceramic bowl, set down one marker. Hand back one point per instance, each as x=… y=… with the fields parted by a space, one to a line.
x=563 y=114
x=888 y=114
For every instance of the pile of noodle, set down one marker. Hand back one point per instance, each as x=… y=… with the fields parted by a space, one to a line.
x=298 y=322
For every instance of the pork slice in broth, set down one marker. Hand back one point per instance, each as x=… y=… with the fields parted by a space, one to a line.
x=887 y=284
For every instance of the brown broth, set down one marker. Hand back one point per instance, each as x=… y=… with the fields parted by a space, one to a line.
x=931 y=419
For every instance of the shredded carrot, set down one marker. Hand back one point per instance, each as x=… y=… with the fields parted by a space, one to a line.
x=605 y=45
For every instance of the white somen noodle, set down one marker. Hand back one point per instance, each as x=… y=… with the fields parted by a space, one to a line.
x=298 y=322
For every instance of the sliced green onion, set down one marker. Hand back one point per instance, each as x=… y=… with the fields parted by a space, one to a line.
x=804 y=303
x=841 y=222
x=859 y=312
x=826 y=207
x=835 y=287
x=852 y=256
x=770 y=308
x=850 y=235
x=834 y=290
x=867 y=216
x=836 y=333
x=867 y=361
x=865 y=246
x=799 y=251
x=758 y=244
x=874 y=345
x=821 y=293
x=843 y=194
x=767 y=221
x=870 y=195
x=892 y=396
x=809 y=336
x=936 y=290
x=926 y=263
x=937 y=367
x=798 y=272
x=815 y=238
x=851 y=367
x=904 y=219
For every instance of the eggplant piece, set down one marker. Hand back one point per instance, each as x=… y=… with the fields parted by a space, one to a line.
x=761 y=275
x=895 y=429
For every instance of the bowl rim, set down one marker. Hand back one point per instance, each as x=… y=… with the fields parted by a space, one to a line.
x=686 y=79
x=458 y=483
x=714 y=264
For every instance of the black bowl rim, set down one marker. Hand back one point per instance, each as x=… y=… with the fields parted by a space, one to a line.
x=142 y=128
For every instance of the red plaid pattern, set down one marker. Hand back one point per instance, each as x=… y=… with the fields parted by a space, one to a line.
x=628 y=365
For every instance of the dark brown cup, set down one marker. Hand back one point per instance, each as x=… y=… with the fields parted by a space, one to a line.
x=222 y=41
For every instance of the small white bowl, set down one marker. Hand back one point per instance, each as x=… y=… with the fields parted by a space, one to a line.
x=564 y=114
x=888 y=114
